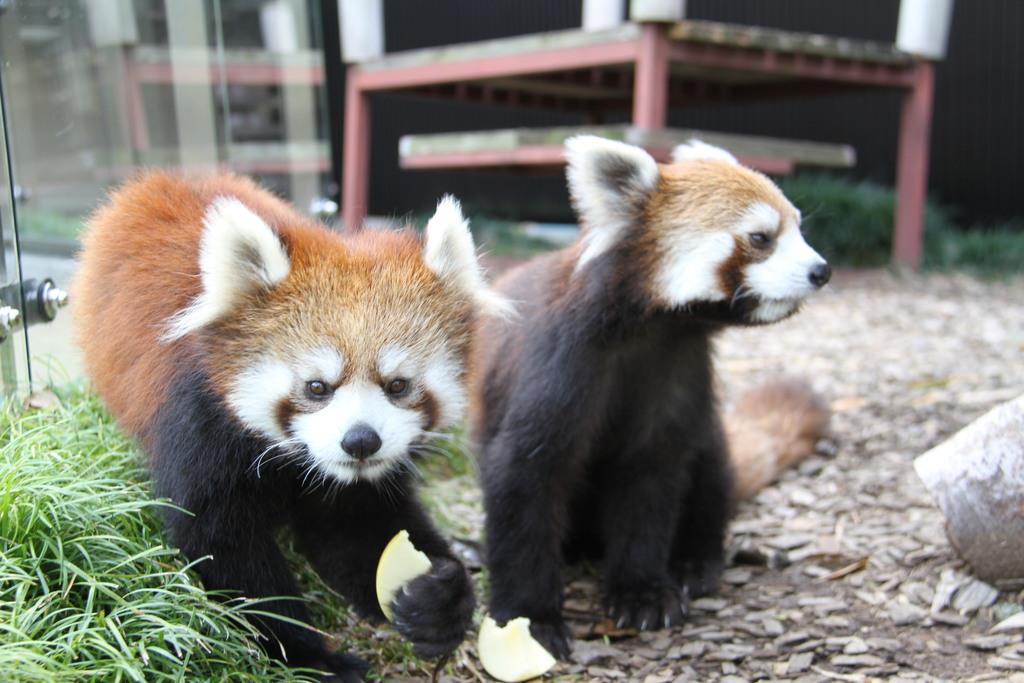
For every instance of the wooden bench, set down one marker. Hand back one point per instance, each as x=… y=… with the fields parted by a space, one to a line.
x=543 y=147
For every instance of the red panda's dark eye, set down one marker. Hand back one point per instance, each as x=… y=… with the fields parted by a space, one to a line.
x=397 y=387
x=760 y=240
x=317 y=389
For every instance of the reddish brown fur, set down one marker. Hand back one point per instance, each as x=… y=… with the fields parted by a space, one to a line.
x=140 y=265
x=770 y=428
x=709 y=193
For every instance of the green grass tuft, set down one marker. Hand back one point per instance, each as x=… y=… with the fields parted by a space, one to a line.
x=89 y=591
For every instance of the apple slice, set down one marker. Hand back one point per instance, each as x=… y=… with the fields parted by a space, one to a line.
x=510 y=653
x=399 y=564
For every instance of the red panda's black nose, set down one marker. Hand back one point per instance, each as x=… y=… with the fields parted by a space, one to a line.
x=820 y=275
x=361 y=441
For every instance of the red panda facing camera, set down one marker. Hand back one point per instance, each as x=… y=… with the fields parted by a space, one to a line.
x=280 y=374
x=594 y=412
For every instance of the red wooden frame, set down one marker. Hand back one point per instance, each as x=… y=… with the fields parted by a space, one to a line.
x=651 y=54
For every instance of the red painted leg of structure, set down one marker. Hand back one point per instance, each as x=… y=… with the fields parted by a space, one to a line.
x=136 y=111
x=912 y=169
x=355 y=165
x=650 y=82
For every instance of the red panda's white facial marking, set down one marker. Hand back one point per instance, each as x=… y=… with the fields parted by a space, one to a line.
x=322 y=363
x=440 y=374
x=256 y=391
x=694 y=255
x=393 y=360
x=443 y=376
x=689 y=268
x=784 y=279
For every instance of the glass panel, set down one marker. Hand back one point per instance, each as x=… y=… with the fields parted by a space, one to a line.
x=14 y=377
x=99 y=88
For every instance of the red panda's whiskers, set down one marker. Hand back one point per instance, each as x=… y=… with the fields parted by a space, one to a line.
x=448 y=436
x=427 y=448
x=390 y=486
x=742 y=292
x=311 y=468
x=407 y=463
x=288 y=444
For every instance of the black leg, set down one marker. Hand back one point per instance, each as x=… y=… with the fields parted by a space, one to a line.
x=639 y=515
x=344 y=538
x=531 y=463
x=526 y=496
x=244 y=560
x=697 y=554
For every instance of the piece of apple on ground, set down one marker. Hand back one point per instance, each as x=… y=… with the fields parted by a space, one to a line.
x=510 y=653
x=399 y=564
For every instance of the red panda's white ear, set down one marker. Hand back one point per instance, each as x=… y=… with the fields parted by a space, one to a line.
x=696 y=149
x=449 y=251
x=609 y=183
x=238 y=253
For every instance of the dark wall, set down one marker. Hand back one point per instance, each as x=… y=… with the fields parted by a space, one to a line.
x=977 y=136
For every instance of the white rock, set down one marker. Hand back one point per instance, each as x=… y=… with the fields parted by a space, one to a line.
x=976 y=478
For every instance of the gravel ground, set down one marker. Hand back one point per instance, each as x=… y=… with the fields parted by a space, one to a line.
x=841 y=570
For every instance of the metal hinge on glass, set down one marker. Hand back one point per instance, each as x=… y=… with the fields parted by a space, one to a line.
x=10 y=318
x=43 y=300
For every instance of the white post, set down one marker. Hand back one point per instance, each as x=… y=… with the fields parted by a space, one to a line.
x=299 y=100
x=194 y=113
x=923 y=27
x=657 y=10
x=277 y=24
x=362 y=29
x=601 y=14
x=112 y=22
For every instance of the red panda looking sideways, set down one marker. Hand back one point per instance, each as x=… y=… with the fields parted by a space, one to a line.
x=593 y=411
x=280 y=374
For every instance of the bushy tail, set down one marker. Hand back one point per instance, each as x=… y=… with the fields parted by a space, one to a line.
x=772 y=427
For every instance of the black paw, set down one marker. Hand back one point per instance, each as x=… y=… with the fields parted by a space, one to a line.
x=701 y=577
x=339 y=667
x=434 y=610
x=647 y=608
x=554 y=635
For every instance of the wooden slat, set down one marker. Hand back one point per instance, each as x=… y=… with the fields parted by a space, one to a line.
x=542 y=146
x=502 y=47
x=760 y=38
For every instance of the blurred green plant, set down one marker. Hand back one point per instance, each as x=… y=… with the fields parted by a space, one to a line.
x=850 y=223
x=47 y=224
x=990 y=251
